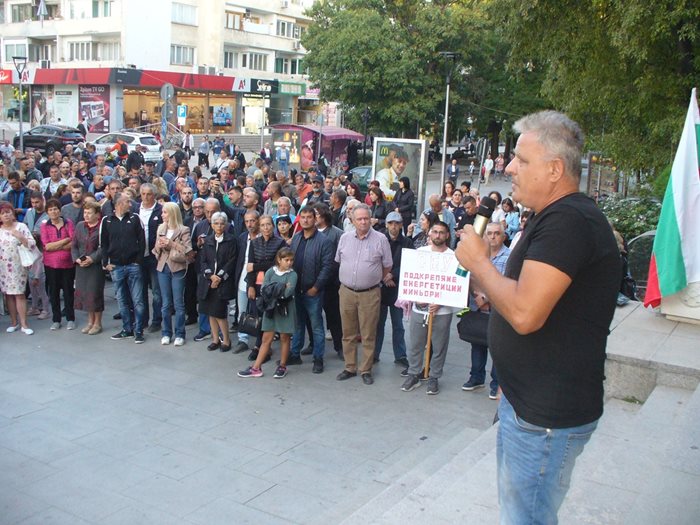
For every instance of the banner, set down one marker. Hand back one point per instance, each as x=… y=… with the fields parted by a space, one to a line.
x=66 y=105
x=429 y=277
x=94 y=106
x=42 y=106
x=396 y=158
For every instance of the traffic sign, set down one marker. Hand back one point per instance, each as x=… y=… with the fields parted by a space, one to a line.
x=167 y=92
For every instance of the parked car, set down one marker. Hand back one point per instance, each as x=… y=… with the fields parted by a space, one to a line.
x=48 y=138
x=132 y=139
x=361 y=175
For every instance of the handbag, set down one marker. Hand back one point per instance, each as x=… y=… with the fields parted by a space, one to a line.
x=28 y=256
x=473 y=327
x=249 y=323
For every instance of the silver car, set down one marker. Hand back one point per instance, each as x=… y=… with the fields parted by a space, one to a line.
x=132 y=139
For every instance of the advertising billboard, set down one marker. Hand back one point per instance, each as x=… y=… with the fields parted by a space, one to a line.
x=94 y=107
x=397 y=158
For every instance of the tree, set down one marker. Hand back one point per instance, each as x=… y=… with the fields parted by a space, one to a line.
x=385 y=55
x=622 y=68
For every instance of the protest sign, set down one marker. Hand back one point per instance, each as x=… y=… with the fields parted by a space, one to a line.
x=429 y=277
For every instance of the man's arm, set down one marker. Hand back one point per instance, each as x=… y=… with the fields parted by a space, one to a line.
x=526 y=303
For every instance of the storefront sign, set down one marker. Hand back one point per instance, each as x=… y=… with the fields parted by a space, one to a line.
x=5 y=76
x=429 y=277
x=289 y=88
x=94 y=106
x=312 y=94
x=241 y=85
x=264 y=87
x=181 y=114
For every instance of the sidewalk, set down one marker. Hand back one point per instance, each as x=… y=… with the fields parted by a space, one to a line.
x=98 y=431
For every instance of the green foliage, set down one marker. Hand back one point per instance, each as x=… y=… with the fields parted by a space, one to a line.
x=385 y=55
x=660 y=182
x=622 y=68
x=632 y=217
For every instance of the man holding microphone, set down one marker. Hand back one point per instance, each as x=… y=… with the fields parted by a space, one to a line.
x=550 y=321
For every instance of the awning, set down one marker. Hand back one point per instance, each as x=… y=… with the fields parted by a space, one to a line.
x=328 y=132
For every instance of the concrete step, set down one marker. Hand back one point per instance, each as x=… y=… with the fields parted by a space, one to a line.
x=401 y=478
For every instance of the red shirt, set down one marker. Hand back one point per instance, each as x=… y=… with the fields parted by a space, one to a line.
x=60 y=259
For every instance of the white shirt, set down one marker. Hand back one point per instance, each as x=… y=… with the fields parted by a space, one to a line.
x=145 y=216
x=242 y=285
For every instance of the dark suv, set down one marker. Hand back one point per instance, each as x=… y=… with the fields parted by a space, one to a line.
x=49 y=138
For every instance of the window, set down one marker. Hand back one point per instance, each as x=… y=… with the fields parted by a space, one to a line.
x=229 y=59
x=15 y=50
x=181 y=55
x=80 y=51
x=282 y=66
x=21 y=12
x=256 y=61
x=101 y=8
x=284 y=28
x=233 y=20
x=2 y=12
x=184 y=14
x=108 y=51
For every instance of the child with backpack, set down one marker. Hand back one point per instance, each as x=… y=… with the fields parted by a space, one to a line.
x=279 y=312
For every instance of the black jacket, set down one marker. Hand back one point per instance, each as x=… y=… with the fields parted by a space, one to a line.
x=262 y=255
x=317 y=261
x=391 y=294
x=378 y=211
x=223 y=260
x=134 y=160
x=154 y=221
x=122 y=241
x=404 y=201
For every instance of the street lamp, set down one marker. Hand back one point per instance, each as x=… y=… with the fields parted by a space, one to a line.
x=20 y=66
x=450 y=58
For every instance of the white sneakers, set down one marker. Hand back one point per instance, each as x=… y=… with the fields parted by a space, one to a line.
x=165 y=340
x=179 y=341
x=70 y=325
x=26 y=331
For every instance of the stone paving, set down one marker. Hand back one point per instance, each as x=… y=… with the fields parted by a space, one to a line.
x=100 y=431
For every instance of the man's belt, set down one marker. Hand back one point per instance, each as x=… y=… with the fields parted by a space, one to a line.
x=363 y=289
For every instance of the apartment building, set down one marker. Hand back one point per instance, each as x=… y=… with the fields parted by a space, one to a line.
x=238 y=58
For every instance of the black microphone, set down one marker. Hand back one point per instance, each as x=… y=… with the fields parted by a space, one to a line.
x=483 y=217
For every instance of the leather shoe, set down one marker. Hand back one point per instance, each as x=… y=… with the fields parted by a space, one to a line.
x=213 y=346
x=367 y=378
x=345 y=375
x=224 y=348
x=318 y=366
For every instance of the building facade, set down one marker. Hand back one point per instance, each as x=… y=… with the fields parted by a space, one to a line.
x=236 y=65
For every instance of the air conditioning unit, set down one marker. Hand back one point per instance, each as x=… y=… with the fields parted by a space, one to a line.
x=284 y=4
x=211 y=70
x=296 y=45
x=44 y=64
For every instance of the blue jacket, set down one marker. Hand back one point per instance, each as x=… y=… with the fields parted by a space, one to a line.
x=317 y=261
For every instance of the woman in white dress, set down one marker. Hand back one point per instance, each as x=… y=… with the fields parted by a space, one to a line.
x=13 y=276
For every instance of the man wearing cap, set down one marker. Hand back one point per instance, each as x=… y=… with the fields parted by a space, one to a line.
x=317 y=194
x=389 y=177
x=390 y=292
x=365 y=262
x=148 y=171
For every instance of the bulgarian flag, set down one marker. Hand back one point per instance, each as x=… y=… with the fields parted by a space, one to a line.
x=675 y=261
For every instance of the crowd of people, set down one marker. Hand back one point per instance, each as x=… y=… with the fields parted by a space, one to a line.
x=195 y=247
x=289 y=254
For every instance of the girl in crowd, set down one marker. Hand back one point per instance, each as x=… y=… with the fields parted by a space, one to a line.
x=283 y=319
x=89 y=276
x=455 y=205
x=56 y=236
x=284 y=229
x=171 y=249
x=216 y=285
x=378 y=211
x=404 y=201
x=447 y=190
x=511 y=219
x=13 y=276
x=261 y=257
x=353 y=191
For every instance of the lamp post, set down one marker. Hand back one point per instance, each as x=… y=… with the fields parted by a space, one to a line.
x=450 y=58
x=20 y=66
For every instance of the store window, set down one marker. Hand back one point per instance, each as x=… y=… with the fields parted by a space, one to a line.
x=184 y=14
x=181 y=55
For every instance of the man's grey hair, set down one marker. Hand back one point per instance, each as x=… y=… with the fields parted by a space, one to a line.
x=284 y=199
x=362 y=206
x=218 y=216
x=198 y=201
x=212 y=200
x=558 y=134
x=149 y=187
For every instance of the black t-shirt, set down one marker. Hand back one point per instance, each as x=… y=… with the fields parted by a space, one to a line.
x=464 y=220
x=554 y=377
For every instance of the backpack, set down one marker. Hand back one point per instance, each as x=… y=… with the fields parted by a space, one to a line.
x=123 y=149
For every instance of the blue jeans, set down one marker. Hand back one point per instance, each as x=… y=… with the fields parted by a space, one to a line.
x=397 y=331
x=534 y=466
x=150 y=277
x=309 y=308
x=172 y=288
x=128 y=282
x=480 y=355
x=283 y=165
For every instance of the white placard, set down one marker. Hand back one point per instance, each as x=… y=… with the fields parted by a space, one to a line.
x=430 y=277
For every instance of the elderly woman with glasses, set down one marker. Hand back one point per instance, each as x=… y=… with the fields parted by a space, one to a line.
x=216 y=285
